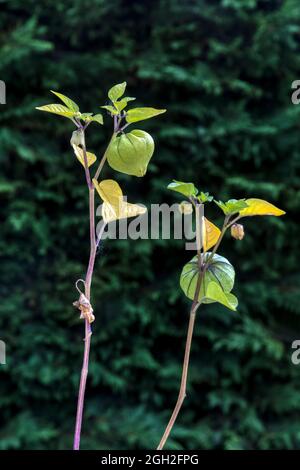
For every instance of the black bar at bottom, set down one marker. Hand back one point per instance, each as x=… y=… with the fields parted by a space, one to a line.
x=139 y=459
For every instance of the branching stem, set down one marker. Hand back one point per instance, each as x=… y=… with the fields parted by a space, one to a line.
x=226 y=225
x=103 y=159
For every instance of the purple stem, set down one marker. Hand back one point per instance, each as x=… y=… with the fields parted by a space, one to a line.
x=88 y=281
x=88 y=329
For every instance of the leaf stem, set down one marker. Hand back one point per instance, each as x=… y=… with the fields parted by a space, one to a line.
x=124 y=127
x=213 y=252
x=227 y=223
x=103 y=159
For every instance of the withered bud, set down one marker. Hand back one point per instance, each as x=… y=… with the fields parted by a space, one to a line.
x=237 y=231
x=77 y=138
x=185 y=208
x=86 y=310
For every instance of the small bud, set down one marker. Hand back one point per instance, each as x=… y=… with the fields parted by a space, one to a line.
x=185 y=208
x=237 y=231
x=77 y=138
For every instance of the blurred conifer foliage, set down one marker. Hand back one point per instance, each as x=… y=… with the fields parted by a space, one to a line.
x=223 y=69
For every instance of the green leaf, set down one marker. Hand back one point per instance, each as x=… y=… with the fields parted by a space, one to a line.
x=110 y=108
x=57 y=109
x=128 y=98
x=233 y=206
x=120 y=105
x=140 y=114
x=117 y=91
x=86 y=116
x=98 y=118
x=215 y=293
x=219 y=271
x=187 y=189
x=204 y=197
x=131 y=152
x=68 y=102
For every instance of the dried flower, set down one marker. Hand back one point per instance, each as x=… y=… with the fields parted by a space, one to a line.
x=185 y=208
x=85 y=308
x=237 y=231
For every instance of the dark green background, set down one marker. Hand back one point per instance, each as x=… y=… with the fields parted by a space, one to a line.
x=223 y=69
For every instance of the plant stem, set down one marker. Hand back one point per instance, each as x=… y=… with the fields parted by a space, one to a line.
x=88 y=329
x=81 y=395
x=182 y=390
x=86 y=167
x=88 y=281
x=93 y=248
x=195 y=306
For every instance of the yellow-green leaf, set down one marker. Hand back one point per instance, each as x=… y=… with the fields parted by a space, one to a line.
x=260 y=207
x=114 y=207
x=110 y=108
x=85 y=116
x=117 y=91
x=233 y=206
x=187 y=189
x=120 y=105
x=91 y=157
x=140 y=114
x=109 y=190
x=215 y=293
x=57 y=109
x=97 y=118
x=68 y=102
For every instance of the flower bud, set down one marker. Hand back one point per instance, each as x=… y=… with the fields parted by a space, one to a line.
x=77 y=138
x=237 y=231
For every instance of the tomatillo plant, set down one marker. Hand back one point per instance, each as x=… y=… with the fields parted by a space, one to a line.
x=127 y=152
x=209 y=277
